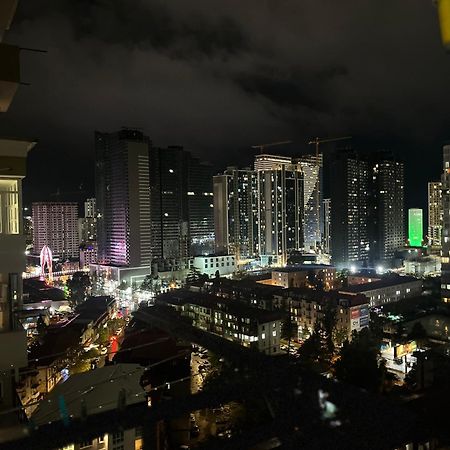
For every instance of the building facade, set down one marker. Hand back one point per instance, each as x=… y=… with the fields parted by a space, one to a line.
x=181 y=190
x=305 y=276
x=326 y=244
x=435 y=216
x=123 y=198
x=13 y=343
x=312 y=168
x=387 y=290
x=55 y=224
x=231 y=319
x=235 y=213
x=445 y=259
x=386 y=208
x=210 y=264
x=349 y=214
x=308 y=309
x=279 y=207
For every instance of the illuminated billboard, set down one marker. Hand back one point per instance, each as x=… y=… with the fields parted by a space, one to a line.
x=403 y=349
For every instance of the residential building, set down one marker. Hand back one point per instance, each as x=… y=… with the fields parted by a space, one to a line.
x=181 y=197
x=308 y=275
x=225 y=265
x=326 y=243
x=349 y=214
x=13 y=344
x=235 y=213
x=123 y=198
x=435 y=216
x=422 y=266
x=308 y=309
x=126 y=390
x=279 y=207
x=87 y=225
x=90 y=208
x=200 y=206
x=388 y=289
x=88 y=254
x=445 y=259
x=233 y=320
x=386 y=211
x=55 y=224
x=312 y=168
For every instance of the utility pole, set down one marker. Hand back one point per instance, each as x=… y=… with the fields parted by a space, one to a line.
x=316 y=142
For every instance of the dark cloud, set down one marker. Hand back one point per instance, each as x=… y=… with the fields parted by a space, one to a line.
x=293 y=88
x=135 y=23
x=220 y=75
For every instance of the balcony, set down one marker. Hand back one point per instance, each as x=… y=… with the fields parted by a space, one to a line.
x=7 y=11
x=9 y=74
x=13 y=348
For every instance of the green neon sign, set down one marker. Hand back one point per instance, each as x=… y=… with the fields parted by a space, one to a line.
x=415 y=227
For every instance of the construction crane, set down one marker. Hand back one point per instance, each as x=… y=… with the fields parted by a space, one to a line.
x=316 y=142
x=262 y=147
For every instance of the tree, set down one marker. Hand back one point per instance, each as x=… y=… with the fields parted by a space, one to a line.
x=314 y=280
x=289 y=330
x=358 y=362
x=418 y=334
x=78 y=285
x=311 y=350
x=328 y=325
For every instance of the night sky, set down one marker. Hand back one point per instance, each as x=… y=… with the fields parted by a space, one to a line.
x=219 y=76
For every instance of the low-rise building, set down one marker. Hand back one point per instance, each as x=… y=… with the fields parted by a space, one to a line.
x=80 y=398
x=231 y=319
x=88 y=254
x=388 y=289
x=308 y=308
x=307 y=275
x=211 y=264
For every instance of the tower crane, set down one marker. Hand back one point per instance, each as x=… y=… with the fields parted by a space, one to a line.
x=316 y=142
x=262 y=147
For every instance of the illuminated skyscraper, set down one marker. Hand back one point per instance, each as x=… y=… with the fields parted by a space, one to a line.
x=235 y=213
x=312 y=195
x=415 y=227
x=279 y=207
x=181 y=198
x=326 y=244
x=435 y=213
x=445 y=259
x=55 y=224
x=123 y=198
x=386 y=211
x=87 y=225
x=349 y=210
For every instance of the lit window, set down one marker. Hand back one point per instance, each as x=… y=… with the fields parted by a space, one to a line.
x=263 y=335
x=9 y=207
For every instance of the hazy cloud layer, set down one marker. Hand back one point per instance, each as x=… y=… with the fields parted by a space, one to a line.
x=218 y=76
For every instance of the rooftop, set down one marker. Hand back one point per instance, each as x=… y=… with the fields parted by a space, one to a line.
x=94 y=392
x=182 y=297
x=303 y=268
x=322 y=297
x=389 y=281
